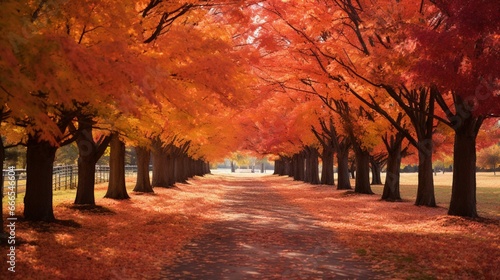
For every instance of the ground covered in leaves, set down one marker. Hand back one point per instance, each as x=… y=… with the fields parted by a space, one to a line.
x=298 y=231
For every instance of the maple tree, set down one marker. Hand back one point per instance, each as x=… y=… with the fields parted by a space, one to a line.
x=462 y=38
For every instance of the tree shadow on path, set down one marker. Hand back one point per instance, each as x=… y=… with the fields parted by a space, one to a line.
x=261 y=236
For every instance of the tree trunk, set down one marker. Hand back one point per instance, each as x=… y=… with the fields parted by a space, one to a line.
x=171 y=170
x=307 y=173
x=391 y=186
x=463 y=193
x=277 y=167
x=181 y=168
x=207 y=168
x=233 y=167
x=185 y=167
x=86 y=181
x=38 y=197
x=312 y=166
x=291 y=167
x=299 y=167
x=376 y=170
x=425 y=189
x=160 y=166
x=89 y=153
x=362 y=184
x=343 y=170
x=262 y=168
x=327 y=171
x=143 y=183
x=178 y=170
x=116 y=186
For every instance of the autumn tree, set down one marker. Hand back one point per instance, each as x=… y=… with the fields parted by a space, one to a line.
x=468 y=87
x=353 y=34
x=489 y=157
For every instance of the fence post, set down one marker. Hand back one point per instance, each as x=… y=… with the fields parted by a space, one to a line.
x=70 y=176
x=59 y=177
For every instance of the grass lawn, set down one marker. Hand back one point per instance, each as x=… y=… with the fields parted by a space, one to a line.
x=487 y=193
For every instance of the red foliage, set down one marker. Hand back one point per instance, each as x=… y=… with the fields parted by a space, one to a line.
x=459 y=51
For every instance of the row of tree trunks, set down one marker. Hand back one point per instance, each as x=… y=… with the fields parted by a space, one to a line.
x=171 y=164
x=40 y=157
x=282 y=166
x=302 y=166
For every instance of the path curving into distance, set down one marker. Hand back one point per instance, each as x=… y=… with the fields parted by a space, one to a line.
x=261 y=236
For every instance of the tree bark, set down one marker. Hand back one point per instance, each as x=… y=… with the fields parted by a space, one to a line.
x=38 y=197
x=425 y=189
x=299 y=167
x=307 y=171
x=376 y=171
x=327 y=177
x=185 y=169
x=178 y=177
x=463 y=193
x=393 y=146
x=277 y=167
x=311 y=171
x=207 y=168
x=143 y=183
x=86 y=181
x=182 y=172
x=160 y=166
x=391 y=187
x=89 y=153
x=170 y=170
x=362 y=183
x=344 y=182
x=289 y=166
x=116 y=186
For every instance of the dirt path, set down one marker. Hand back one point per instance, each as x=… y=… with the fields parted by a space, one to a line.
x=261 y=236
